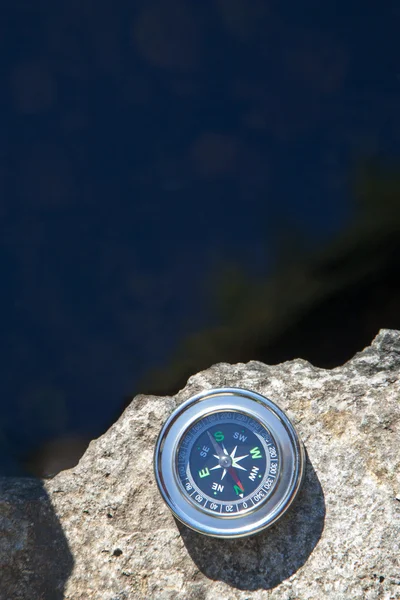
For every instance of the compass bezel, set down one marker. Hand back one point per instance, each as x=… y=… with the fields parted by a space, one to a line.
x=268 y=414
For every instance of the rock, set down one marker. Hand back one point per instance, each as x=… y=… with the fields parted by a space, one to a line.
x=35 y=560
x=101 y=530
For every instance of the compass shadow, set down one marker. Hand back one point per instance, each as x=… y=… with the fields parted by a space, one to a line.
x=35 y=559
x=267 y=559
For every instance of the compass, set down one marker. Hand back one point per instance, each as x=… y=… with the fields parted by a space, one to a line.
x=228 y=462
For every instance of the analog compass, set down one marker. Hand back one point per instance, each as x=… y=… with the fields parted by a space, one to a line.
x=228 y=462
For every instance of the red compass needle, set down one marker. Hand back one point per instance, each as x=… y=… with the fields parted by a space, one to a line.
x=232 y=471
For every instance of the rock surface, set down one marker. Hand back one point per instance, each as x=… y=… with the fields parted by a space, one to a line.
x=102 y=531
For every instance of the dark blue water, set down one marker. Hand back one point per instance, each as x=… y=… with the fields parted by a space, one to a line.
x=180 y=185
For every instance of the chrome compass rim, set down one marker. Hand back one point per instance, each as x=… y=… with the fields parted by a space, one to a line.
x=277 y=428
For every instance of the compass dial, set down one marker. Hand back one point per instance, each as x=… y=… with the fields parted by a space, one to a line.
x=228 y=463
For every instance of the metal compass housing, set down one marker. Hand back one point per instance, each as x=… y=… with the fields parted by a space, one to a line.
x=228 y=462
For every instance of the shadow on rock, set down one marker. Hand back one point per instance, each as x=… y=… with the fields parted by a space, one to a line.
x=35 y=560
x=267 y=559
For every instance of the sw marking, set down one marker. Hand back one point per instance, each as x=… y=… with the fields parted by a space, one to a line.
x=239 y=436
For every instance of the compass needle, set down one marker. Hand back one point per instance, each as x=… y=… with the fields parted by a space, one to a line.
x=228 y=462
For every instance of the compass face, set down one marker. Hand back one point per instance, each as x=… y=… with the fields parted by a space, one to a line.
x=227 y=463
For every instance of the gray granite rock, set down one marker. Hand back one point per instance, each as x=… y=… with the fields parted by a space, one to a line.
x=101 y=530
